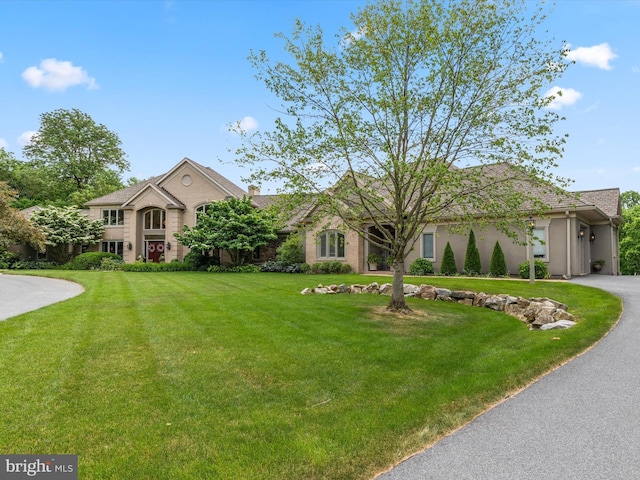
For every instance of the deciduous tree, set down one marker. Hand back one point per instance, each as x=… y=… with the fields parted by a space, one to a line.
x=630 y=234
x=387 y=114
x=14 y=227
x=64 y=227
x=82 y=159
x=234 y=225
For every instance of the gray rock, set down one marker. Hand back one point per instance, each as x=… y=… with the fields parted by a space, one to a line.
x=560 y=324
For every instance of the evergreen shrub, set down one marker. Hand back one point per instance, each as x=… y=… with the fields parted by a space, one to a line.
x=448 y=266
x=498 y=265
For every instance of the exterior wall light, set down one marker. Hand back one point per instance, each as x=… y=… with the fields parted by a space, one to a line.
x=581 y=233
x=592 y=237
x=168 y=245
x=129 y=246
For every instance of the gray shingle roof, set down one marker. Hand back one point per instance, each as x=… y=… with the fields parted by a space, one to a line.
x=607 y=200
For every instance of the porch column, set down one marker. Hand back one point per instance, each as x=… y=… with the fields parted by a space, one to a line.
x=568 y=254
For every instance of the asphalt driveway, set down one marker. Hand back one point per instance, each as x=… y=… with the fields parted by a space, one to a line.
x=22 y=293
x=580 y=422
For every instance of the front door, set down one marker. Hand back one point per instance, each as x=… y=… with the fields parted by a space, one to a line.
x=155 y=250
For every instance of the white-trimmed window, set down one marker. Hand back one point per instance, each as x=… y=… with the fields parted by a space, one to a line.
x=331 y=244
x=540 y=250
x=113 y=246
x=429 y=246
x=113 y=217
x=154 y=219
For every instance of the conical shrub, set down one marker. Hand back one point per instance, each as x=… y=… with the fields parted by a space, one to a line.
x=448 y=266
x=472 y=264
x=498 y=266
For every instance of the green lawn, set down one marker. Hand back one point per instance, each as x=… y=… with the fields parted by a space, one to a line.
x=237 y=376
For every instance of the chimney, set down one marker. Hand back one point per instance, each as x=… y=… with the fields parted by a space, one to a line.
x=253 y=190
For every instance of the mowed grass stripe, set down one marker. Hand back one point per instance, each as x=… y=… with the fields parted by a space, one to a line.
x=195 y=375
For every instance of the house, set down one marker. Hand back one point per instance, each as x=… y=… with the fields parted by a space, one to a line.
x=140 y=220
x=579 y=231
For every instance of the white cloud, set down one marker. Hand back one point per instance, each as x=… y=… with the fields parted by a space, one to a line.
x=635 y=69
x=248 y=123
x=597 y=56
x=1 y=57
x=56 y=75
x=3 y=143
x=25 y=138
x=563 y=97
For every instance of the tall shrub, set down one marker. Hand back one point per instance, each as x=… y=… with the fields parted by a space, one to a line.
x=472 y=264
x=448 y=266
x=498 y=265
x=291 y=251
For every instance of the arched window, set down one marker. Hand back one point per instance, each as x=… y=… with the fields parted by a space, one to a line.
x=154 y=219
x=202 y=208
x=331 y=244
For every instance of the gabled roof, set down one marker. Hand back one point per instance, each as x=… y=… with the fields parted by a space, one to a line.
x=224 y=184
x=171 y=200
x=127 y=195
x=120 y=197
x=27 y=212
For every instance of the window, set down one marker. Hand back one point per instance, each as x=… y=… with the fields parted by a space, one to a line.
x=331 y=244
x=540 y=243
x=427 y=245
x=113 y=246
x=202 y=209
x=113 y=217
x=154 y=219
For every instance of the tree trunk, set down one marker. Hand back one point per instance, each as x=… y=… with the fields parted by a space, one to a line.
x=398 y=303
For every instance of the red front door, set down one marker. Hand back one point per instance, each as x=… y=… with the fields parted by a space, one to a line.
x=155 y=249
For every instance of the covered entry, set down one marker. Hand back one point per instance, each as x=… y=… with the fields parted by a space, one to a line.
x=375 y=235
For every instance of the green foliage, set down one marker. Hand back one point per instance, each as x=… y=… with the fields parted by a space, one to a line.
x=629 y=199
x=498 y=265
x=420 y=266
x=234 y=268
x=156 y=267
x=291 y=251
x=448 y=265
x=110 y=264
x=358 y=107
x=201 y=261
x=331 y=266
x=283 y=267
x=233 y=225
x=33 y=265
x=541 y=269
x=91 y=260
x=14 y=227
x=75 y=157
x=7 y=259
x=472 y=264
x=630 y=236
x=64 y=226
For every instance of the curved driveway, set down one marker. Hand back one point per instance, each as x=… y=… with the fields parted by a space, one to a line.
x=580 y=422
x=22 y=293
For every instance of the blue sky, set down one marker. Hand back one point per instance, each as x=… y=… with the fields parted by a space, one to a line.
x=169 y=76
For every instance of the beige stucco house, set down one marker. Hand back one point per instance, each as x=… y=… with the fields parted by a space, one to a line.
x=140 y=221
x=579 y=230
